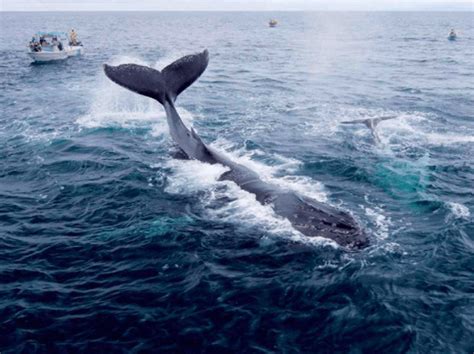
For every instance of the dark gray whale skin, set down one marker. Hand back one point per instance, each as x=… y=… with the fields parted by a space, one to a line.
x=306 y=215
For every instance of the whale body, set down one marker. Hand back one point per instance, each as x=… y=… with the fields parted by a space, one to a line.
x=310 y=217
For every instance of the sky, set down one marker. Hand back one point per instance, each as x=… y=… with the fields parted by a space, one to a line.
x=236 y=5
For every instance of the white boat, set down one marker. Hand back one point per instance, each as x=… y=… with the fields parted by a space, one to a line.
x=272 y=23
x=50 y=46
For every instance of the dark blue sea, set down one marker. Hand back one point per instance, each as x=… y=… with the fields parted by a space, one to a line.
x=109 y=244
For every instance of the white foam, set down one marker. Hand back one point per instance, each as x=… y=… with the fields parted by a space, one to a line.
x=459 y=211
x=382 y=223
x=448 y=139
x=416 y=129
x=408 y=129
x=376 y=216
x=387 y=248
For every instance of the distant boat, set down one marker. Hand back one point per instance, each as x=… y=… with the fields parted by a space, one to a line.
x=452 y=35
x=51 y=46
x=272 y=23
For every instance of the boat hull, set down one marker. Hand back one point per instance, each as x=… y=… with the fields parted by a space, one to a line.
x=75 y=51
x=48 y=56
x=45 y=56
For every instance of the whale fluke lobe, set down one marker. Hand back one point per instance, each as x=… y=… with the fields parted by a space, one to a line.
x=138 y=78
x=181 y=73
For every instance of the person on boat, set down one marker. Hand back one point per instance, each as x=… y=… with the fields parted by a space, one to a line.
x=73 y=37
x=34 y=45
x=452 y=33
x=57 y=43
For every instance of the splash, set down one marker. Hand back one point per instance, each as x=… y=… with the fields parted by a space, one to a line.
x=376 y=216
x=459 y=211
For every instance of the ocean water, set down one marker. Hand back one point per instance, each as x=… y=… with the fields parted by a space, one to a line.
x=110 y=244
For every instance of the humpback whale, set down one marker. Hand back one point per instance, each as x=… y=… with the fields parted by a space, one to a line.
x=370 y=123
x=306 y=215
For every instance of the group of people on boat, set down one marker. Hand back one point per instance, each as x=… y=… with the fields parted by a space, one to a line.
x=37 y=45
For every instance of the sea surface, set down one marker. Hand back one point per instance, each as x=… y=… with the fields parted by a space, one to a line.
x=109 y=244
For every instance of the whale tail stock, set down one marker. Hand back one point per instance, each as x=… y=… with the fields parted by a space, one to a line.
x=162 y=86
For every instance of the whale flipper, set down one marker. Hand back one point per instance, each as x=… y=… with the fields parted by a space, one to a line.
x=168 y=83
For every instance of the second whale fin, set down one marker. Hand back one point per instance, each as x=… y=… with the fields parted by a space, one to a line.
x=370 y=123
x=164 y=85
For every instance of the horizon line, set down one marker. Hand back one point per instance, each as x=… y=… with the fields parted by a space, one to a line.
x=288 y=10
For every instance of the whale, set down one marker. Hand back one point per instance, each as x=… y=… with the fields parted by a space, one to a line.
x=308 y=216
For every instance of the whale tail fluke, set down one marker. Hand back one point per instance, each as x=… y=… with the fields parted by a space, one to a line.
x=370 y=123
x=167 y=84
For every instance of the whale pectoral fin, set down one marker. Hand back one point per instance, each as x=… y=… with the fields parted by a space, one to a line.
x=179 y=155
x=183 y=72
x=138 y=78
x=226 y=176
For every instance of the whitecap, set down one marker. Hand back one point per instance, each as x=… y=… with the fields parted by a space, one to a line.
x=459 y=211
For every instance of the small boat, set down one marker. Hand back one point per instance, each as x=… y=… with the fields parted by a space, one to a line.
x=51 y=46
x=272 y=23
x=452 y=35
